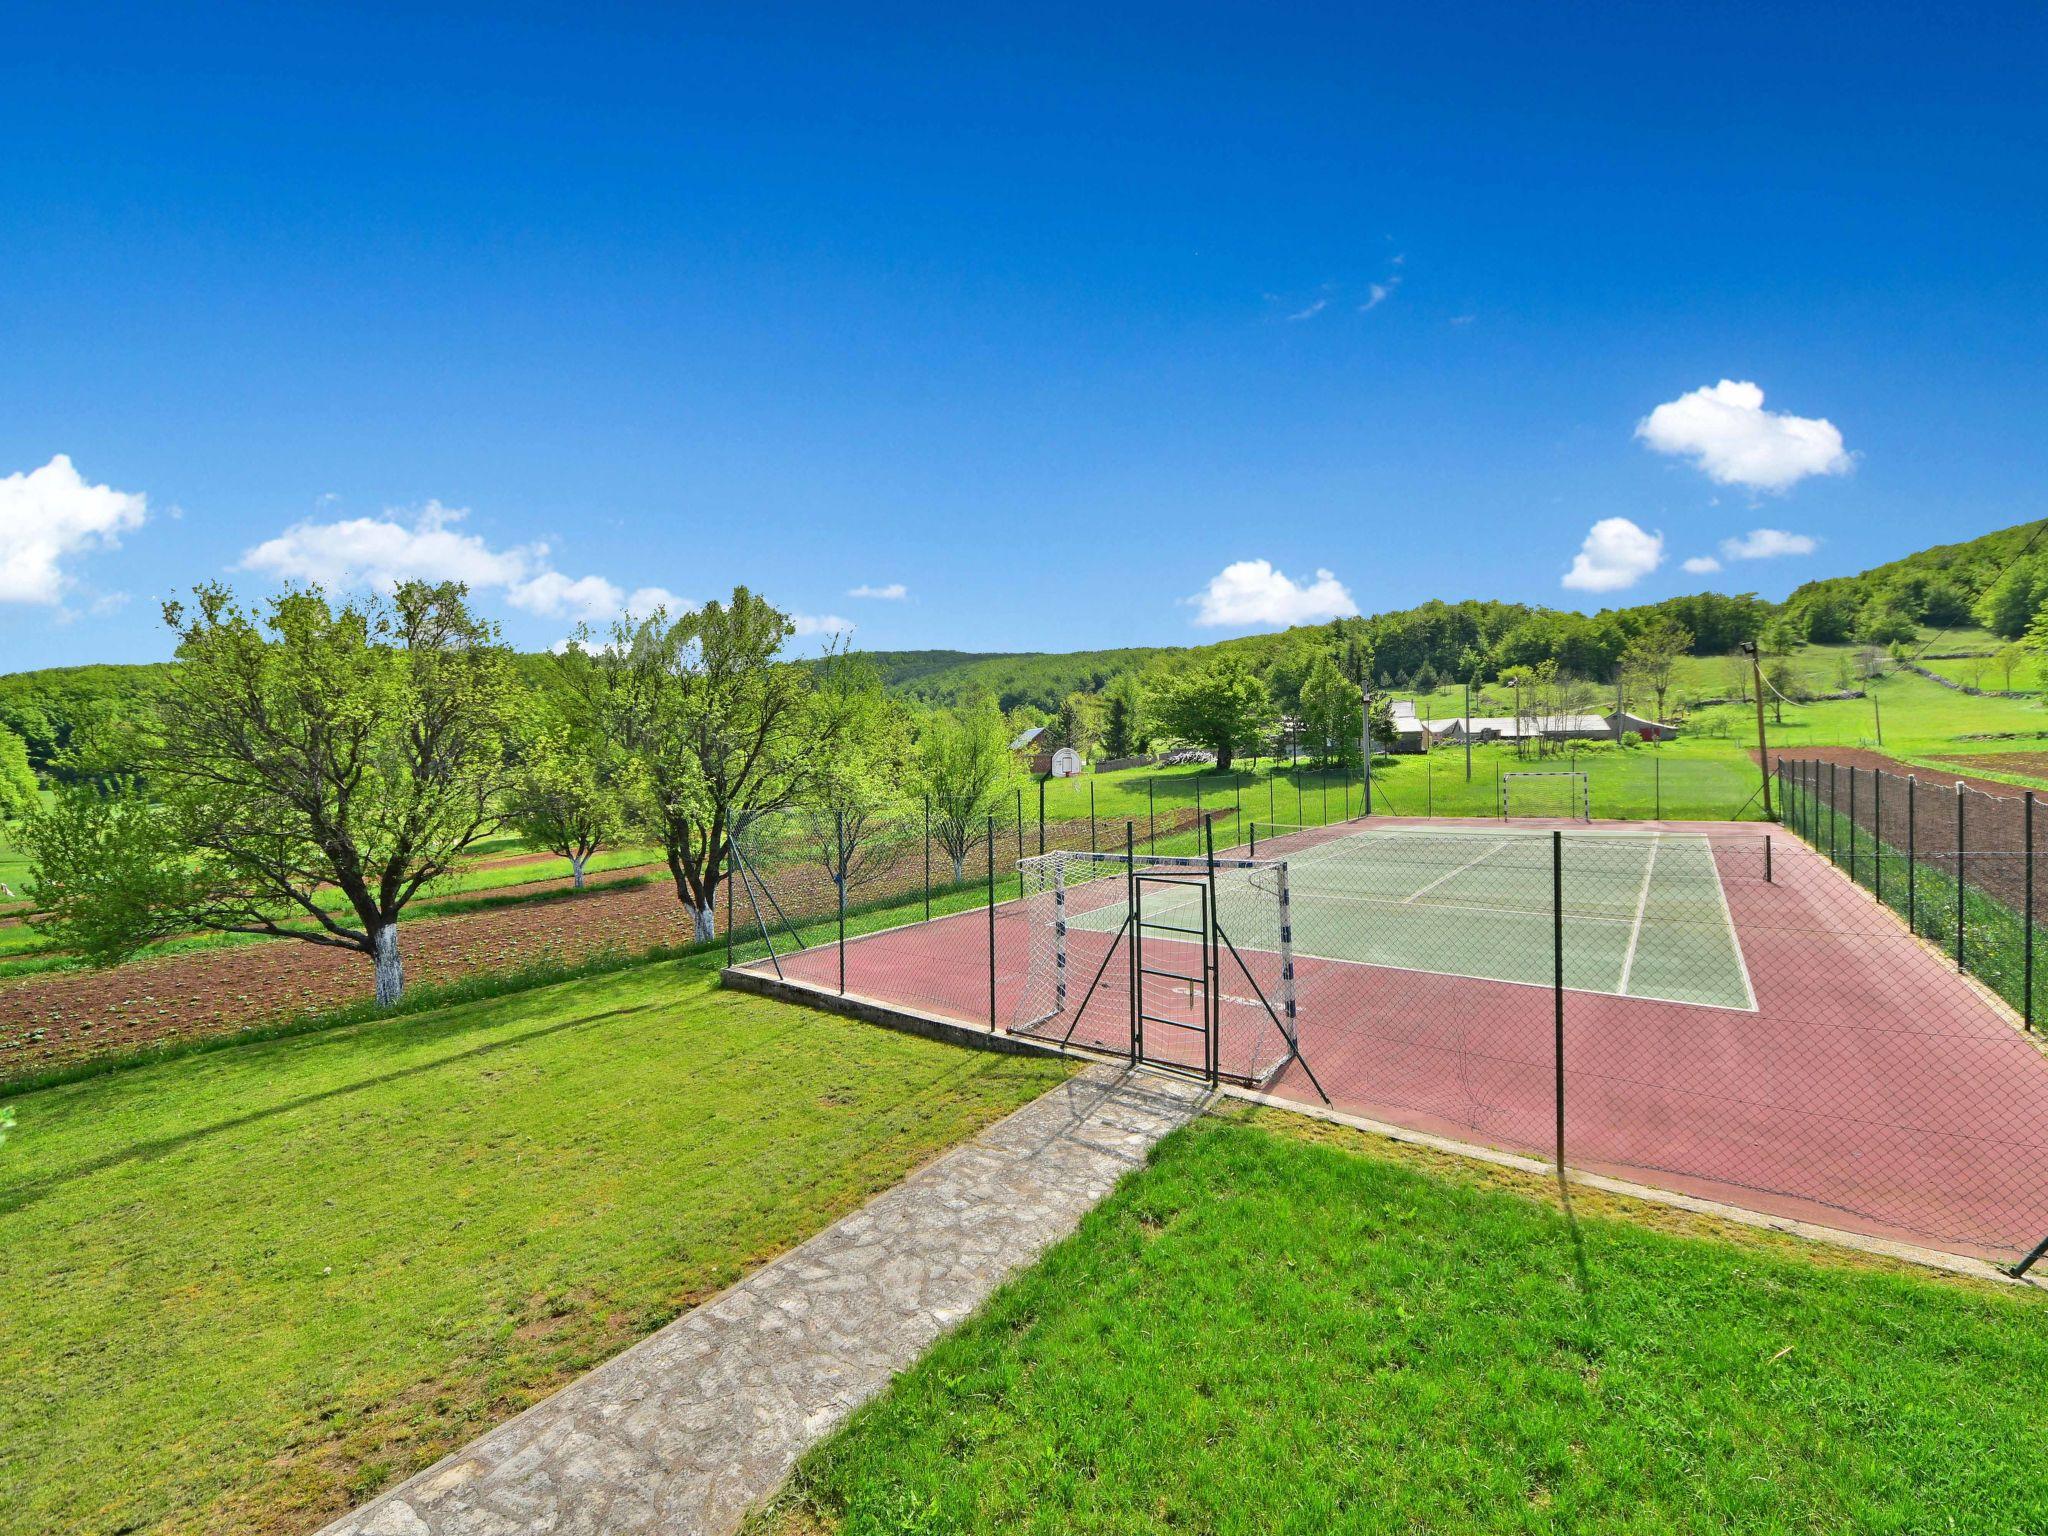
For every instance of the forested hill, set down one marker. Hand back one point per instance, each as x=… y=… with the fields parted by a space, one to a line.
x=1999 y=580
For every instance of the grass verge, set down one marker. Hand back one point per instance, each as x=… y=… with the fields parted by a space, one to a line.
x=1284 y=1326
x=250 y=1289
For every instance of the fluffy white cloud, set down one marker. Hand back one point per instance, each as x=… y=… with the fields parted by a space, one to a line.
x=820 y=624
x=894 y=592
x=1250 y=592
x=1726 y=431
x=380 y=552
x=1702 y=565
x=1768 y=544
x=51 y=515
x=1378 y=293
x=1616 y=554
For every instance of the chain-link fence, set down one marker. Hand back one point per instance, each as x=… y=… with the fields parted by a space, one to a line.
x=1830 y=1026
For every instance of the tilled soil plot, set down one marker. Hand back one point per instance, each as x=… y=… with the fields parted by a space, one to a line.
x=53 y=1018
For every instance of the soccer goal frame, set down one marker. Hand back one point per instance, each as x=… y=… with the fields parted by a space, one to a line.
x=1557 y=795
x=1214 y=931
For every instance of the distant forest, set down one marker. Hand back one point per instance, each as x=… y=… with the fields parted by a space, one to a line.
x=1999 y=581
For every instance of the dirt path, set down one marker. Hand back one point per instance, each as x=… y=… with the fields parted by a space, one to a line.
x=1863 y=757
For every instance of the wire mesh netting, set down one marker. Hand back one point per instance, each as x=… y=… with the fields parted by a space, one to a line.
x=1831 y=1025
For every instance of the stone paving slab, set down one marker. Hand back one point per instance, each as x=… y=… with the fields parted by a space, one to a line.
x=698 y=1423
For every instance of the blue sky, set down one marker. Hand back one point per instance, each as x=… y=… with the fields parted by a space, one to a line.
x=1078 y=326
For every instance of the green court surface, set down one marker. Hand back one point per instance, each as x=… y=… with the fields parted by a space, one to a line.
x=1644 y=914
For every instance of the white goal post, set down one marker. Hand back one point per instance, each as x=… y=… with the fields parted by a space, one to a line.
x=1560 y=796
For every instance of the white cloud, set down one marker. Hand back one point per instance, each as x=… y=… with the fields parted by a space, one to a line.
x=1249 y=592
x=1378 y=293
x=49 y=516
x=1312 y=311
x=1768 y=544
x=1616 y=554
x=820 y=624
x=894 y=592
x=380 y=552
x=1702 y=565
x=1726 y=432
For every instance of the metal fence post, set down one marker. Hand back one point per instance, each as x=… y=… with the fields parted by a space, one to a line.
x=1767 y=858
x=2027 y=943
x=1557 y=983
x=991 y=925
x=1020 y=839
x=839 y=859
x=728 y=902
x=1912 y=854
x=1041 y=816
x=1134 y=951
x=927 y=858
x=1852 y=823
x=1151 y=823
x=1877 y=832
x=1834 y=815
x=1657 y=786
x=1091 y=815
x=1959 y=874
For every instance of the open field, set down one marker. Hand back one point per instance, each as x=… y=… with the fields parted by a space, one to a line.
x=244 y=1290
x=1287 y=1327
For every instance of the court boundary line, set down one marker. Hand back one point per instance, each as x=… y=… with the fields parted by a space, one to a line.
x=1635 y=933
x=1472 y=863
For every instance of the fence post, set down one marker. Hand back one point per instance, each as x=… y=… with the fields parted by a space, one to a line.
x=1428 y=788
x=1557 y=983
x=991 y=925
x=839 y=858
x=1767 y=858
x=1091 y=815
x=2027 y=944
x=1657 y=781
x=927 y=858
x=1134 y=951
x=1020 y=839
x=1041 y=818
x=1877 y=832
x=1151 y=824
x=1852 y=823
x=1912 y=854
x=1834 y=815
x=728 y=901
x=1237 y=800
x=1960 y=791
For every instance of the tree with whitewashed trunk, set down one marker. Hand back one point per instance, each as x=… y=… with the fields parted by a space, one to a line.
x=966 y=770
x=718 y=724
x=569 y=790
x=853 y=821
x=309 y=767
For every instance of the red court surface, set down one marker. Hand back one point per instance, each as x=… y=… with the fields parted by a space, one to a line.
x=1872 y=1088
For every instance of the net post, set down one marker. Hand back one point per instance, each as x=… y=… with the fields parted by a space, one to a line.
x=1134 y=959
x=1557 y=985
x=2027 y=942
x=1212 y=960
x=839 y=879
x=991 y=925
x=1059 y=933
x=1959 y=874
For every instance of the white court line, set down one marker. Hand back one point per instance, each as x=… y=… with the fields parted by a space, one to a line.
x=1479 y=858
x=1635 y=933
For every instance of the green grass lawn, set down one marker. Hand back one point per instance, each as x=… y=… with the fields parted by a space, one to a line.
x=248 y=1288
x=1286 y=1327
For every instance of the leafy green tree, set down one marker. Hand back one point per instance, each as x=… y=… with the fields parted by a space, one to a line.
x=853 y=819
x=1650 y=658
x=2009 y=659
x=18 y=789
x=1077 y=725
x=1217 y=704
x=570 y=788
x=721 y=729
x=1880 y=623
x=300 y=753
x=1126 y=731
x=1331 y=713
x=966 y=770
x=2007 y=607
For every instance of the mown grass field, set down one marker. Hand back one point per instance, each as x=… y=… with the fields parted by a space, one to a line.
x=246 y=1289
x=1286 y=1327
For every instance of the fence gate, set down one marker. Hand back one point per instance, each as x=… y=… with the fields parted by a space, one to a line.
x=1173 y=974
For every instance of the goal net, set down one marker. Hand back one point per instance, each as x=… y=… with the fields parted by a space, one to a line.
x=1551 y=796
x=1161 y=958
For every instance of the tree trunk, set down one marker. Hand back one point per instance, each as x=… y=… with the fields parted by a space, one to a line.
x=959 y=867
x=576 y=863
x=706 y=918
x=1223 y=759
x=390 y=968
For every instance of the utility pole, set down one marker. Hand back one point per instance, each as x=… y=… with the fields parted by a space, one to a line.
x=1763 y=754
x=1877 y=710
x=1468 y=730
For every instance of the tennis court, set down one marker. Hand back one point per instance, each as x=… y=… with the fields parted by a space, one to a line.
x=1738 y=1020
x=1643 y=915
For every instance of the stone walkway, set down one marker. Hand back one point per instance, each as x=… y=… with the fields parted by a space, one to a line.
x=693 y=1426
